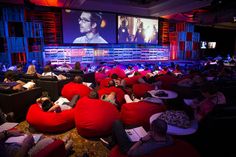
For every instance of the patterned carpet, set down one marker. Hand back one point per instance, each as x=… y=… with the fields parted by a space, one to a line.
x=81 y=145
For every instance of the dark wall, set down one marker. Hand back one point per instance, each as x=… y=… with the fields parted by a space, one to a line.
x=225 y=40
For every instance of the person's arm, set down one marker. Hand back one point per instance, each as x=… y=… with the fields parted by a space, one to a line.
x=27 y=144
x=53 y=108
x=141 y=80
x=2 y=136
x=139 y=143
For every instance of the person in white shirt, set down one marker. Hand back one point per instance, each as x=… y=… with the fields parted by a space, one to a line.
x=90 y=23
x=48 y=72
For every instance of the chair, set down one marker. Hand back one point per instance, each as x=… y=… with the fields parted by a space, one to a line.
x=19 y=102
x=52 y=86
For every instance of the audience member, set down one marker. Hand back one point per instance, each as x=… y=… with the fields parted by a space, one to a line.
x=11 y=78
x=105 y=97
x=149 y=78
x=9 y=117
x=64 y=67
x=110 y=98
x=60 y=105
x=77 y=68
x=48 y=72
x=26 y=147
x=156 y=138
x=32 y=71
x=212 y=98
x=116 y=80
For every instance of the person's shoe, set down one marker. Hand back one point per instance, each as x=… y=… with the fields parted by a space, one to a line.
x=10 y=117
x=66 y=138
x=107 y=142
x=69 y=145
x=104 y=141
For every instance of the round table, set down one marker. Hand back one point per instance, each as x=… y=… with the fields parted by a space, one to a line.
x=170 y=94
x=174 y=130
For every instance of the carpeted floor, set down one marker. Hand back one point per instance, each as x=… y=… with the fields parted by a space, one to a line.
x=80 y=146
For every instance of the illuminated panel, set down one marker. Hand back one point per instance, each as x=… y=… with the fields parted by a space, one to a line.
x=72 y=54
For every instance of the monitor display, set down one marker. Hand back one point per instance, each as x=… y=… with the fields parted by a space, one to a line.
x=137 y=30
x=203 y=45
x=211 y=45
x=88 y=27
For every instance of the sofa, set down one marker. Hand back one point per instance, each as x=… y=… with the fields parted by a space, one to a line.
x=19 y=102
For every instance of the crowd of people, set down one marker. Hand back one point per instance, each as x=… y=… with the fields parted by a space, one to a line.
x=202 y=104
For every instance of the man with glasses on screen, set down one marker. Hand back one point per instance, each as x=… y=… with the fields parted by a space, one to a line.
x=90 y=23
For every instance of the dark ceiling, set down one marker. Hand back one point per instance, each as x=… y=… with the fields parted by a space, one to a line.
x=214 y=13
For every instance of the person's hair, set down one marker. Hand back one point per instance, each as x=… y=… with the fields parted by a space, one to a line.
x=96 y=17
x=147 y=95
x=136 y=73
x=10 y=75
x=48 y=63
x=31 y=69
x=46 y=105
x=45 y=94
x=47 y=68
x=177 y=67
x=78 y=79
x=159 y=127
x=123 y=23
x=209 y=88
x=114 y=76
x=93 y=95
x=19 y=66
x=77 y=66
x=111 y=83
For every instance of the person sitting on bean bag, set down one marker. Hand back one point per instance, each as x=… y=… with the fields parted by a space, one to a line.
x=18 y=144
x=117 y=95
x=110 y=98
x=155 y=139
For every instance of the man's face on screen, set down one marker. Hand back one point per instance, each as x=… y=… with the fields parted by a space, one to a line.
x=85 y=22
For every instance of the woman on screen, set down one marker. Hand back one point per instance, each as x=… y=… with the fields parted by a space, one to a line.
x=90 y=23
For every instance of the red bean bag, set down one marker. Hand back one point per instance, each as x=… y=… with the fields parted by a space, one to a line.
x=167 y=81
x=104 y=82
x=140 y=89
x=94 y=117
x=117 y=70
x=139 y=113
x=50 y=121
x=119 y=93
x=99 y=76
x=180 y=148
x=72 y=88
x=129 y=81
x=54 y=149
